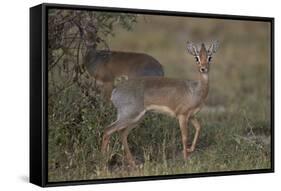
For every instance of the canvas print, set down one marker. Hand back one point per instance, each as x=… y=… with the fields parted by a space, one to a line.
x=137 y=95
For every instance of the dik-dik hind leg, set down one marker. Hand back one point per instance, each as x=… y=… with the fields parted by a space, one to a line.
x=113 y=127
x=124 y=135
x=123 y=123
x=197 y=127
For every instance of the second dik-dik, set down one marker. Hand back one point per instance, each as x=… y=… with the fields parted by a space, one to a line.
x=179 y=98
x=106 y=66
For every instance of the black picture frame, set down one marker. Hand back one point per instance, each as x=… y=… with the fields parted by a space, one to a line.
x=39 y=91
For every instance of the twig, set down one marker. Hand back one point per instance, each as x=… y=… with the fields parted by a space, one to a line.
x=61 y=89
x=249 y=124
x=56 y=62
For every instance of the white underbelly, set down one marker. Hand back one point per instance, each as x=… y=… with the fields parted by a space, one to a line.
x=161 y=109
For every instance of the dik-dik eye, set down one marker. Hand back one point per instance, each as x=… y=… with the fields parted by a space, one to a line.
x=197 y=59
x=209 y=59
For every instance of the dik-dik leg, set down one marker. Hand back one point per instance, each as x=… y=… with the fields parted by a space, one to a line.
x=124 y=135
x=197 y=127
x=115 y=126
x=183 y=120
x=123 y=124
x=107 y=89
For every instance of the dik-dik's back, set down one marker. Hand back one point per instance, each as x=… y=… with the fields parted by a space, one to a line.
x=107 y=65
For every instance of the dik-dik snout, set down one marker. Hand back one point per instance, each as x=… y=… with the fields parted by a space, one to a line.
x=203 y=69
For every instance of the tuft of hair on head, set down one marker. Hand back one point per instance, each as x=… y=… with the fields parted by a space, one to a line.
x=213 y=47
x=203 y=50
x=192 y=49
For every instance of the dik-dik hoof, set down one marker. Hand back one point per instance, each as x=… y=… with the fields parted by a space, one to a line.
x=190 y=150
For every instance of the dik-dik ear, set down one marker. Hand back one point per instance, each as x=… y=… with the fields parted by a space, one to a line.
x=192 y=49
x=213 y=47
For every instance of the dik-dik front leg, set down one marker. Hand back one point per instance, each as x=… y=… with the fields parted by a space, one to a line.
x=107 y=89
x=183 y=120
x=197 y=127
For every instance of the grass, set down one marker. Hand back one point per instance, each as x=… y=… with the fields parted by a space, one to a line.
x=235 y=122
x=230 y=140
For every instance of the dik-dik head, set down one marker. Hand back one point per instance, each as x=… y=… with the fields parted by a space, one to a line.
x=203 y=57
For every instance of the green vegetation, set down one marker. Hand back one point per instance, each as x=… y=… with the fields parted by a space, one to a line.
x=235 y=121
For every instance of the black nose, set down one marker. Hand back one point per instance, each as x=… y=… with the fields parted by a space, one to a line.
x=203 y=70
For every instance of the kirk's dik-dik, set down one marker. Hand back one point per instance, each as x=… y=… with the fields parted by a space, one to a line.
x=181 y=99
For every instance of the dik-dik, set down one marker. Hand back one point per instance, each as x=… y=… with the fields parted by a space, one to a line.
x=106 y=66
x=179 y=98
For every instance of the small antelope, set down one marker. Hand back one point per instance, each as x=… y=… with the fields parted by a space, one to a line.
x=106 y=66
x=181 y=99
